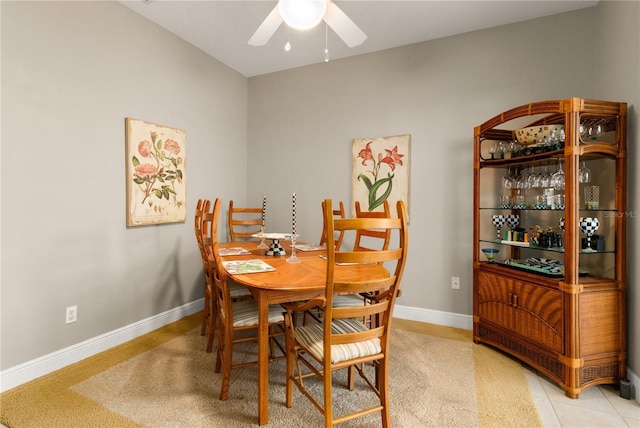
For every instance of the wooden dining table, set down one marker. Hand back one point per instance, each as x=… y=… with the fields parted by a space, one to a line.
x=289 y=282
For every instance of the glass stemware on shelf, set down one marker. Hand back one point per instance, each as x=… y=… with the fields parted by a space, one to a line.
x=585 y=173
x=508 y=180
x=545 y=181
x=490 y=254
x=493 y=149
x=557 y=180
x=589 y=226
x=498 y=221
x=595 y=132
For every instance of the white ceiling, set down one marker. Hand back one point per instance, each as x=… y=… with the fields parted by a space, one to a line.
x=222 y=28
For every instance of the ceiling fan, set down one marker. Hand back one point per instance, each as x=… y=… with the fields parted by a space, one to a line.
x=315 y=10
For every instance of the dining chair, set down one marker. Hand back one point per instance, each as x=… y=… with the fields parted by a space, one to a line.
x=197 y=226
x=244 y=222
x=209 y=229
x=337 y=213
x=364 y=238
x=236 y=317
x=341 y=340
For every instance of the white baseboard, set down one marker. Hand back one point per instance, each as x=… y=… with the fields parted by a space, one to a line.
x=25 y=372
x=434 y=317
x=22 y=373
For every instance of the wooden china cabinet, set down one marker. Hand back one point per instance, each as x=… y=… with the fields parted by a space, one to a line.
x=553 y=297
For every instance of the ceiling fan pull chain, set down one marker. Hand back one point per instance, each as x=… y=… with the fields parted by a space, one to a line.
x=287 y=46
x=326 y=42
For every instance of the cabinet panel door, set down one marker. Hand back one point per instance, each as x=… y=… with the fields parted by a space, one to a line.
x=494 y=300
x=538 y=314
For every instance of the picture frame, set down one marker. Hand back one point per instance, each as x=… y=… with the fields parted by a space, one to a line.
x=155 y=173
x=381 y=171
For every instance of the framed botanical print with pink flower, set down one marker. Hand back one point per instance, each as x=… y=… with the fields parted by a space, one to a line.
x=380 y=171
x=156 y=191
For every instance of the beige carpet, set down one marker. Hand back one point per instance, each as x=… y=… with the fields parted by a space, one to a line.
x=439 y=378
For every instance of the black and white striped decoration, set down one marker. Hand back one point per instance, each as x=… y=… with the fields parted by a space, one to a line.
x=293 y=214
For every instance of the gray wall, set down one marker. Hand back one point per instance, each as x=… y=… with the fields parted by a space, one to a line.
x=436 y=91
x=72 y=71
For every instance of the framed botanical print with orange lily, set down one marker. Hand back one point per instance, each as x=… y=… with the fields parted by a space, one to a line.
x=380 y=171
x=156 y=191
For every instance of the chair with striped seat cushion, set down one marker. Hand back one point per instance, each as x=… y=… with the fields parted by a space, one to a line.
x=237 y=319
x=337 y=213
x=341 y=339
x=366 y=240
x=208 y=224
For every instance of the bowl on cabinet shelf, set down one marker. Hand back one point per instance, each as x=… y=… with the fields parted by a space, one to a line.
x=490 y=253
x=540 y=134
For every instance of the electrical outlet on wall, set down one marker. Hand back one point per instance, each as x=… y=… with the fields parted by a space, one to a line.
x=71 y=314
x=455 y=283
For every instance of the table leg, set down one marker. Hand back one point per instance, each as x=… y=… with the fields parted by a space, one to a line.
x=263 y=358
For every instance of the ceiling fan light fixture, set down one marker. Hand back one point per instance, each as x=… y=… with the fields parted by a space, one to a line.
x=302 y=14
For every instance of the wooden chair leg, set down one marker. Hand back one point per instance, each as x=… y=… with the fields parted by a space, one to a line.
x=351 y=378
x=207 y=314
x=226 y=368
x=213 y=308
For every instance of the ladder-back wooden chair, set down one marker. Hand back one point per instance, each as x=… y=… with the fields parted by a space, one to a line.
x=209 y=230
x=197 y=226
x=234 y=317
x=364 y=238
x=341 y=340
x=244 y=222
x=337 y=213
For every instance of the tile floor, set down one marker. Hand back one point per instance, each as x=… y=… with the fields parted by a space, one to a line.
x=598 y=406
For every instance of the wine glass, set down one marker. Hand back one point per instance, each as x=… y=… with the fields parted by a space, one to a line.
x=545 y=181
x=490 y=253
x=492 y=150
x=594 y=132
x=585 y=174
x=293 y=258
x=500 y=149
x=498 y=221
x=535 y=181
x=589 y=226
x=507 y=180
x=583 y=132
x=557 y=180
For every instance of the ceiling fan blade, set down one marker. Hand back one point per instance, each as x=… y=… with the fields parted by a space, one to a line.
x=266 y=29
x=344 y=26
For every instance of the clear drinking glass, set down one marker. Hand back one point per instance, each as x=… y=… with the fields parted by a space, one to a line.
x=592 y=197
